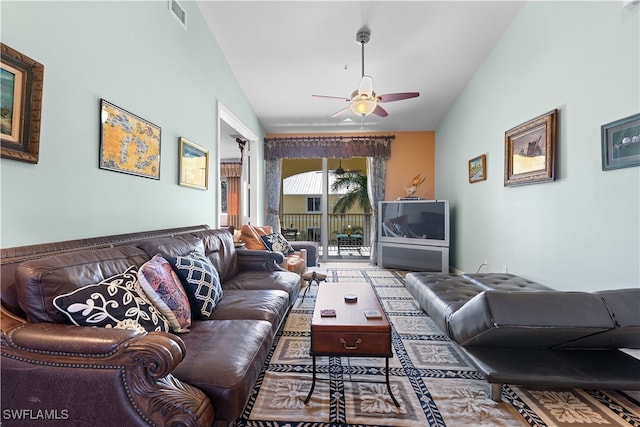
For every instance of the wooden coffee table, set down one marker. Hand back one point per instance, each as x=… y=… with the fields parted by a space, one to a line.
x=350 y=332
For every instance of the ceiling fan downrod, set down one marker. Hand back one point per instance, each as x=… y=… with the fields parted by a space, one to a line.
x=362 y=37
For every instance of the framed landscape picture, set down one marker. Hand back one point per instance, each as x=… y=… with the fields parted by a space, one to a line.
x=529 y=151
x=21 y=81
x=194 y=165
x=621 y=143
x=478 y=169
x=128 y=143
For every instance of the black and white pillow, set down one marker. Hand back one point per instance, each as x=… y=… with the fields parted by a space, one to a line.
x=117 y=302
x=201 y=282
x=275 y=242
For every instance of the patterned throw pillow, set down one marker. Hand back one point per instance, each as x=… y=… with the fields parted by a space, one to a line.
x=162 y=286
x=201 y=281
x=275 y=242
x=117 y=302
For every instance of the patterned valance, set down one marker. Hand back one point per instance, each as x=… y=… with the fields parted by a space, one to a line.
x=314 y=147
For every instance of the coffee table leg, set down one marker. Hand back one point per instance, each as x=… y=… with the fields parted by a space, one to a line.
x=388 y=385
x=313 y=381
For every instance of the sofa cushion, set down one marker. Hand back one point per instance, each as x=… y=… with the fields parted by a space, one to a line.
x=163 y=288
x=39 y=281
x=504 y=282
x=537 y=319
x=224 y=359
x=262 y=280
x=440 y=294
x=201 y=282
x=117 y=302
x=263 y=304
x=624 y=307
x=275 y=242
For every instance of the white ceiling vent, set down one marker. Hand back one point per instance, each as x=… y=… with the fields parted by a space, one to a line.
x=176 y=10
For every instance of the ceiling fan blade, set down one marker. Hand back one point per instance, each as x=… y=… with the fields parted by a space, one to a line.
x=339 y=112
x=390 y=97
x=330 y=97
x=379 y=111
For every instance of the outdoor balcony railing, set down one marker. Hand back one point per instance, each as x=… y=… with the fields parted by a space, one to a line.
x=308 y=226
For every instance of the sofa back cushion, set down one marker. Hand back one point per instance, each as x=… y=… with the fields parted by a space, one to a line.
x=39 y=281
x=219 y=248
x=537 y=319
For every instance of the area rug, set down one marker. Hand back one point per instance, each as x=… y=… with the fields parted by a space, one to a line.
x=431 y=378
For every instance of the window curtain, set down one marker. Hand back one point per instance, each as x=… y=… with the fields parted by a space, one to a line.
x=274 y=174
x=376 y=174
x=232 y=171
x=375 y=148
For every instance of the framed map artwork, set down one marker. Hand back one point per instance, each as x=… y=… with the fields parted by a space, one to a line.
x=128 y=143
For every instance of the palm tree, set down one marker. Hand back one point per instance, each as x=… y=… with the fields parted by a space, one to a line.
x=356 y=186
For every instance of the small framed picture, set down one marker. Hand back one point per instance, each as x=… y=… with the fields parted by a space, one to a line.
x=478 y=169
x=530 y=151
x=621 y=143
x=194 y=165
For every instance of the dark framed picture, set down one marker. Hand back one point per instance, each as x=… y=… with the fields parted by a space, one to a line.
x=128 y=143
x=529 y=151
x=478 y=169
x=21 y=81
x=194 y=165
x=621 y=143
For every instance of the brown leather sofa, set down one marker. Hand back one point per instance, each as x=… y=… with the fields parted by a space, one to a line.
x=516 y=331
x=82 y=375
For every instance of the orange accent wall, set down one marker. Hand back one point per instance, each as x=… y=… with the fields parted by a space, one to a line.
x=412 y=153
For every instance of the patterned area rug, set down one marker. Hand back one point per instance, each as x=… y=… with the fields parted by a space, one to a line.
x=431 y=378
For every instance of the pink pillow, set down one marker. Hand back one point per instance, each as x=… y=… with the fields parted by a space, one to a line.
x=162 y=286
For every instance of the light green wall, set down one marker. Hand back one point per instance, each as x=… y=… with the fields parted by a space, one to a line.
x=580 y=232
x=137 y=56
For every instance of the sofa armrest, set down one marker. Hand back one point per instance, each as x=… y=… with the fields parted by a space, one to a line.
x=310 y=247
x=122 y=377
x=259 y=260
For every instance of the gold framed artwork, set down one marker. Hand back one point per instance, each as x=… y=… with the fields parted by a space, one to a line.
x=128 y=143
x=478 y=169
x=529 y=151
x=21 y=81
x=194 y=165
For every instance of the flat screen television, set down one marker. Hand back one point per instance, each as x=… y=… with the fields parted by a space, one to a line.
x=421 y=222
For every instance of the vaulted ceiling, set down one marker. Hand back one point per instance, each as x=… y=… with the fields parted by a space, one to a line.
x=283 y=52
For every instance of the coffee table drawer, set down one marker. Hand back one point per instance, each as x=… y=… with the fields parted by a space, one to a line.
x=351 y=343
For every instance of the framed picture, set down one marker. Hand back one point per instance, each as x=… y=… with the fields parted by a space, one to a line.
x=478 y=169
x=529 y=151
x=621 y=143
x=194 y=165
x=128 y=143
x=21 y=80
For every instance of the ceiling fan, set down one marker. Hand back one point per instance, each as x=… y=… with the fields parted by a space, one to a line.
x=364 y=101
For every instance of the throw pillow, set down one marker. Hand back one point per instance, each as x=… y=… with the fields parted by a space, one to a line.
x=275 y=242
x=163 y=288
x=117 y=302
x=201 y=281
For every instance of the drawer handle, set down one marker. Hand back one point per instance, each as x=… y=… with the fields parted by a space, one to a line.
x=347 y=347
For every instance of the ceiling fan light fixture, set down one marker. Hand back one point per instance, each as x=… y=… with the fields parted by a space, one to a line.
x=363 y=105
